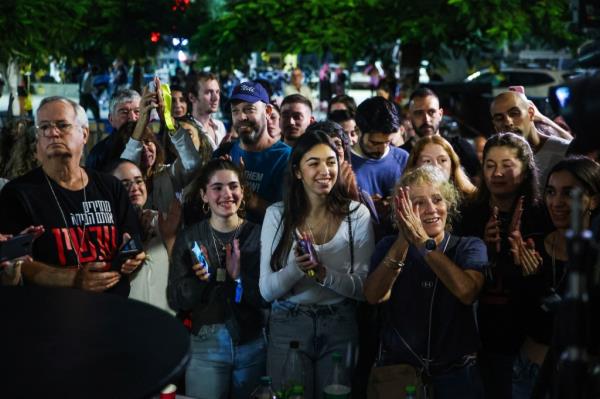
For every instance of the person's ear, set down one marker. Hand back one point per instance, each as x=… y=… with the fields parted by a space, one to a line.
x=268 y=109
x=441 y=112
x=86 y=134
x=297 y=173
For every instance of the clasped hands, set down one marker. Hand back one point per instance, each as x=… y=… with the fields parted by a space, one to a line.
x=523 y=251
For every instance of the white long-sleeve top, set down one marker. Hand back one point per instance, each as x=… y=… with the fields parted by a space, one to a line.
x=171 y=178
x=292 y=284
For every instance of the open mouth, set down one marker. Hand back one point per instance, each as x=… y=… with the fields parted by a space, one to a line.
x=431 y=220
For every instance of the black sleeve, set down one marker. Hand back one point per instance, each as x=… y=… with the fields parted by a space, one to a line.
x=250 y=269
x=467 y=155
x=185 y=290
x=14 y=216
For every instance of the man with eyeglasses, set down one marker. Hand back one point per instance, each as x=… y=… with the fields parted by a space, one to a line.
x=263 y=158
x=86 y=215
x=124 y=107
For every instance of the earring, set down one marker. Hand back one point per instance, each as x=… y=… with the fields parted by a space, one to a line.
x=205 y=208
x=242 y=205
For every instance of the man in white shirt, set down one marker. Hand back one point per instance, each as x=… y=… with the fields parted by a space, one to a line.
x=205 y=94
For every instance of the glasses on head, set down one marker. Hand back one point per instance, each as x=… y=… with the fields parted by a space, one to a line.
x=128 y=184
x=45 y=128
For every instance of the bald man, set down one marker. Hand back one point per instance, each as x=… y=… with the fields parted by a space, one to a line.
x=512 y=112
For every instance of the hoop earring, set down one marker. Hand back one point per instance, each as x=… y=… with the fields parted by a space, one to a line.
x=242 y=207
x=205 y=208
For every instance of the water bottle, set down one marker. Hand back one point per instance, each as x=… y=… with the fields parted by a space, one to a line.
x=293 y=372
x=411 y=392
x=264 y=390
x=337 y=386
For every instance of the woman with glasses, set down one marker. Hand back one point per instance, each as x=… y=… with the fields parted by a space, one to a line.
x=149 y=283
x=313 y=295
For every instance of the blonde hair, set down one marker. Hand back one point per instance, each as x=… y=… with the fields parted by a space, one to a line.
x=457 y=174
x=431 y=175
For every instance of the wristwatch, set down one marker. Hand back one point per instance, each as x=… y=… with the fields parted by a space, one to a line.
x=429 y=245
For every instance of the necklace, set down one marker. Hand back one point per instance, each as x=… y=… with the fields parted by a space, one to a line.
x=65 y=219
x=323 y=237
x=221 y=248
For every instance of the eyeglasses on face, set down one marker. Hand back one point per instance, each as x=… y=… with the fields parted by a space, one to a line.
x=45 y=128
x=128 y=184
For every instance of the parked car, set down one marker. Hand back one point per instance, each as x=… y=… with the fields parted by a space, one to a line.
x=535 y=81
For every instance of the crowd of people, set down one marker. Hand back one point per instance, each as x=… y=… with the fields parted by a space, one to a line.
x=344 y=235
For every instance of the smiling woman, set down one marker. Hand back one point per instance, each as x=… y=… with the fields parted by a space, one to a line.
x=315 y=251
x=506 y=204
x=425 y=276
x=214 y=277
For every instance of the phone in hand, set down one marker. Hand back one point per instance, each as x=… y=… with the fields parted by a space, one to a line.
x=18 y=246
x=129 y=250
x=198 y=257
x=306 y=247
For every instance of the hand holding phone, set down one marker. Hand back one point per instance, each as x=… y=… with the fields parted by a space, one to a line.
x=130 y=249
x=306 y=246
x=199 y=262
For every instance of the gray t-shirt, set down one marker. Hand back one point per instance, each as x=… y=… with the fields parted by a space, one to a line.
x=553 y=151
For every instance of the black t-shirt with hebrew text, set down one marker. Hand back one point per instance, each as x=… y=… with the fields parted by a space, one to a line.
x=95 y=223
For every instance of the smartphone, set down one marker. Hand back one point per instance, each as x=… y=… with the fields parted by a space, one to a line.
x=307 y=247
x=198 y=257
x=129 y=250
x=16 y=247
x=153 y=114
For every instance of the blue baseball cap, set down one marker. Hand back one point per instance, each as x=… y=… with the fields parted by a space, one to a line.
x=250 y=92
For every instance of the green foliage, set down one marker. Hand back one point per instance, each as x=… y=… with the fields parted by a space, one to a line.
x=35 y=29
x=355 y=28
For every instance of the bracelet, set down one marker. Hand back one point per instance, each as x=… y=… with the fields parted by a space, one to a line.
x=393 y=264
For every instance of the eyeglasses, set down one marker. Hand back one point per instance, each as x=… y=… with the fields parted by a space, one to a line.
x=44 y=129
x=127 y=111
x=128 y=184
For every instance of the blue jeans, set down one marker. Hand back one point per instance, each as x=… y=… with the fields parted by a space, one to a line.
x=321 y=331
x=219 y=369
x=525 y=374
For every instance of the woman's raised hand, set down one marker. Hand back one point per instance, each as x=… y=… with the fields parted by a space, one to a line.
x=408 y=218
x=524 y=253
x=491 y=234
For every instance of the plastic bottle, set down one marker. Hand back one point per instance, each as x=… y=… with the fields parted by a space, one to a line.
x=411 y=392
x=337 y=386
x=264 y=390
x=293 y=371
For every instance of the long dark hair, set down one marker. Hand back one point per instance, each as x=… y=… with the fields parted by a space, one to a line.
x=295 y=201
x=529 y=185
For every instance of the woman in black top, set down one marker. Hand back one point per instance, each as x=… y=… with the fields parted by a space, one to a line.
x=214 y=275
x=546 y=259
x=508 y=201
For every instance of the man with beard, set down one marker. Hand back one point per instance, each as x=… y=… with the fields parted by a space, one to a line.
x=377 y=164
x=205 y=94
x=426 y=115
x=512 y=112
x=296 y=115
x=263 y=158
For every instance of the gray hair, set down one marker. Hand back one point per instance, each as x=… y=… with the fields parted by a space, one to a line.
x=80 y=115
x=122 y=96
x=429 y=174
